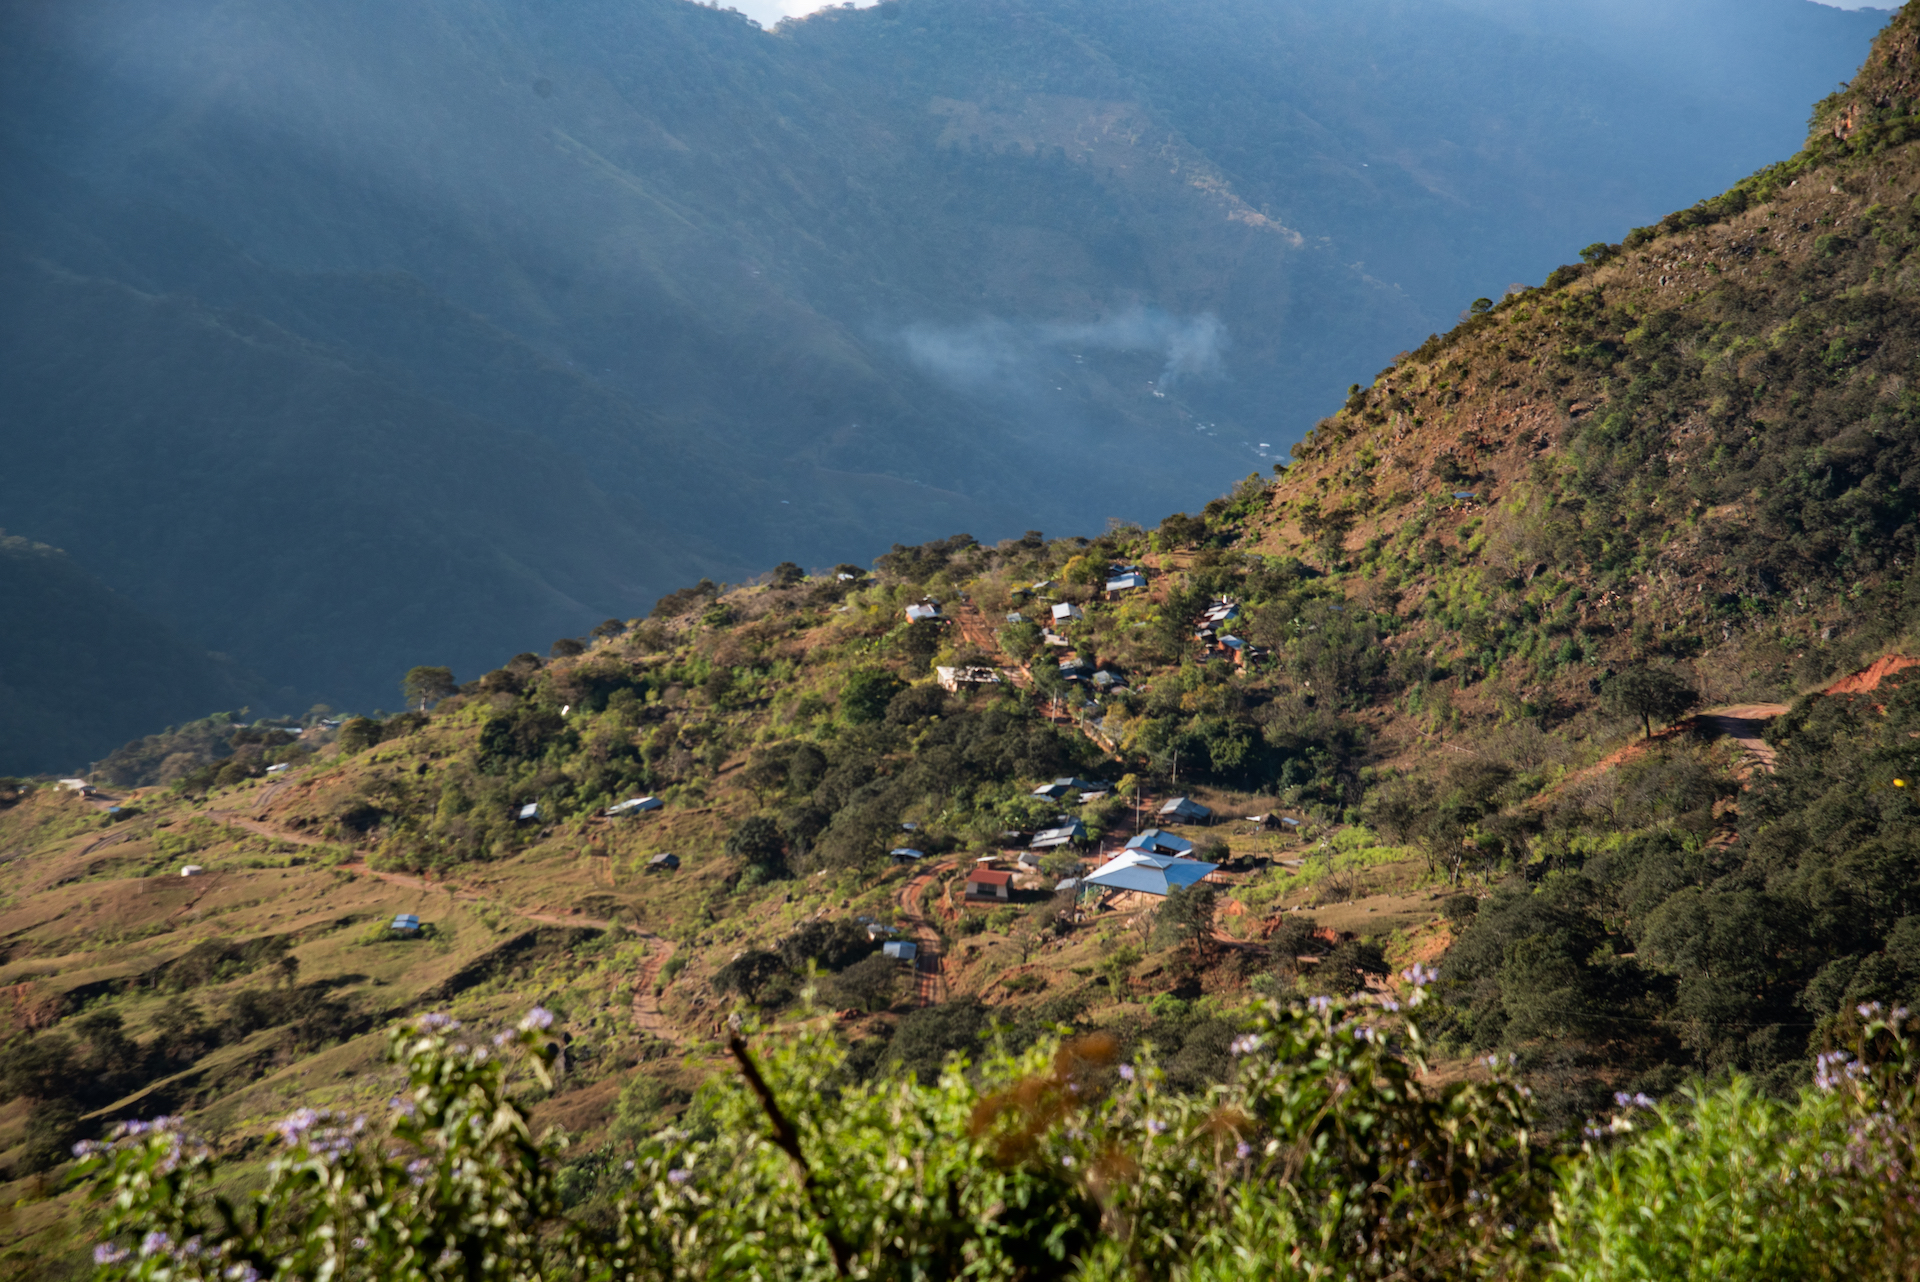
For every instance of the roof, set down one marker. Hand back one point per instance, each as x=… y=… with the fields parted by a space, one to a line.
x=1050 y=790
x=1016 y=617
x=1154 y=839
x=635 y=803
x=1233 y=642
x=904 y=949
x=988 y=877
x=1067 y=610
x=1066 y=883
x=1466 y=494
x=665 y=859
x=1122 y=582
x=1149 y=874
x=921 y=613
x=1185 y=806
x=530 y=811
x=1057 y=836
x=906 y=852
x=406 y=921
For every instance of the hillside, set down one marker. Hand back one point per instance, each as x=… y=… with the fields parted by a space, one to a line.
x=871 y=278
x=82 y=670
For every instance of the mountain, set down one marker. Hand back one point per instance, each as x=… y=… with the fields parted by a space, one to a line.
x=82 y=670
x=1414 y=680
x=873 y=277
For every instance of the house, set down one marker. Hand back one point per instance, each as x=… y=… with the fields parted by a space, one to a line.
x=925 y=612
x=1289 y=823
x=1054 y=638
x=1027 y=860
x=1063 y=835
x=1081 y=785
x=988 y=883
x=1041 y=586
x=1067 y=610
x=1185 y=810
x=1465 y=494
x=1067 y=883
x=1236 y=647
x=1127 y=582
x=906 y=854
x=876 y=931
x=407 y=922
x=1154 y=841
x=951 y=679
x=1147 y=874
x=1050 y=791
x=191 y=870
x=279 y=769
x=900 y=949
x=844 y=577
x=1016 y=617
x=529 y=811
x=1072 y=667
x=1106 y=680
x=665 y=862
x=634 y=805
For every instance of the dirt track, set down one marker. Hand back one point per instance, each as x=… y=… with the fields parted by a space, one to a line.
x=929 y=975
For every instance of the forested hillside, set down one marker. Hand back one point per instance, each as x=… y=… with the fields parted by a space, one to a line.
x=875 y=277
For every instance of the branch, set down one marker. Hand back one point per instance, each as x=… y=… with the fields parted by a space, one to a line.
x=788 y=1140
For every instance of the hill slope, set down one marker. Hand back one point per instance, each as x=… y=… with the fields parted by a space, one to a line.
x=879 y=276
x=82 y=670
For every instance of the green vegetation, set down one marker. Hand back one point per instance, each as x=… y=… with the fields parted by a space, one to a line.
x=1321 y=1155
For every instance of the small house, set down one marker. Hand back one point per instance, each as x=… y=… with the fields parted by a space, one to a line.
x=1073 y=666
x=406 y=923
x=1465 y=494
x=1054 y=638
x=529 y=811
x=279 y=769
x=1028 y=859
x=1106 y=680
x=951 y=679
x=1154 y=841
x=906 y=854
x=1127 y=582
x=1050 y=791
x=72 y=785
x=988 y=883
x=1146 y=874
x=664 y=862
x=1185 y=810
x=635 y=805
x=191 y=870
x=1067 y=883
x=1066 y=610
x=1063 y=835
x=1016 y=617
x=900 y=949
x=925 y=612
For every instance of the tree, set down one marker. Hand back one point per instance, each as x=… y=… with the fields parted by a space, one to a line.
x=610 y=628
x=425 y=685
x=759 y=841
x=786 y=574
x=850 y=570
x=868 y=691
x=566 y=648
x=1648 y=693
x=870 y=984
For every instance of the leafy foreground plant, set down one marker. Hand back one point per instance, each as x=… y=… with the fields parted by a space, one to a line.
x=1324 y=1157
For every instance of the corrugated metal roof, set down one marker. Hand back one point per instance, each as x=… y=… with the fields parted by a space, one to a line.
x=1149 y=874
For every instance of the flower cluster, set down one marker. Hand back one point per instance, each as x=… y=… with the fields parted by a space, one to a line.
x=325 y=1134
x=1831 y=1068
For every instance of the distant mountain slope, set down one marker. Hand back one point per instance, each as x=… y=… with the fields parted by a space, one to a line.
x=318 y=520
x=82 y=669
x=876 y=277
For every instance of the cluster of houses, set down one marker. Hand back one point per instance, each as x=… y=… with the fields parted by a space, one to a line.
x=1213 y=631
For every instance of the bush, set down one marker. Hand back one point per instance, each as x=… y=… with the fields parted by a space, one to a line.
x=1325 y=1155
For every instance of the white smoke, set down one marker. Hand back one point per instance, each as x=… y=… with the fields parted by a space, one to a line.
x=998 y=355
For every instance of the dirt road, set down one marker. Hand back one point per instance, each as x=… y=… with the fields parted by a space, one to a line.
x=929 y=975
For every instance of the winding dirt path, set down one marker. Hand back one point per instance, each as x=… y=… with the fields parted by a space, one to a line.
x=929 y=972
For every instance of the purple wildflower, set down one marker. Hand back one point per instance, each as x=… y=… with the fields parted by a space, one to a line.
x=679 y=1175
x=1243 y=1150
x=539 y=1019
x=1126 y=1072
x=110 y=1253
x=435 y=1021
x=154 y=1243
x=1156 y=1127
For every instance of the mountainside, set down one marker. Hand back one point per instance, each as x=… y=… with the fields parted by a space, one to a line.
x=878 y=276
x=82 y=670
